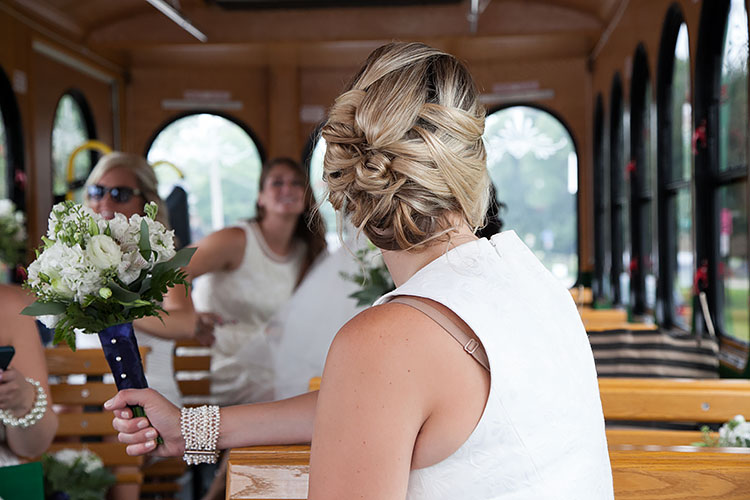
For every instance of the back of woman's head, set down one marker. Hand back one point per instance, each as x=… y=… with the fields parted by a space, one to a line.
x=404 y=147
x=144 y=175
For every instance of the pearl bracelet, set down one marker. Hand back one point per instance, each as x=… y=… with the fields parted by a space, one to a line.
x=34 y=415
x=200 y=429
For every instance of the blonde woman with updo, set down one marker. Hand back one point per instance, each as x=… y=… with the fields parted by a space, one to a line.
x=511 y=410
x=124 y=183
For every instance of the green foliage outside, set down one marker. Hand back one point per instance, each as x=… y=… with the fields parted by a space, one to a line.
x=221 y=164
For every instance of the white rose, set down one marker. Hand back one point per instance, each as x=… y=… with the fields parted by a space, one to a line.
x=103 y=252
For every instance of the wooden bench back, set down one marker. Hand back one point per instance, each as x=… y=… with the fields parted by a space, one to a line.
x=79 y=407
x=192 y=370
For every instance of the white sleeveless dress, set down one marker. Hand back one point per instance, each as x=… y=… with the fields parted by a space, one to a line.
x=247 y=298
x=541 y=435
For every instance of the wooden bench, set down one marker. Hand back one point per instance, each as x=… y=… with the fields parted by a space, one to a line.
x=82 y=416
x=281 y=472
x=669 y=400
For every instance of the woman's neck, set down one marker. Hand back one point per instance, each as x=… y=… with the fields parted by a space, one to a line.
x=278 y=232
x=403 y=264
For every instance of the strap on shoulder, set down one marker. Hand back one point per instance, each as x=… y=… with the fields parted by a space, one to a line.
x=470 y=344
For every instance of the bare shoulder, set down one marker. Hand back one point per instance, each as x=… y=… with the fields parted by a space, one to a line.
x=222 y=250
x=14 y=299
x=385 y=343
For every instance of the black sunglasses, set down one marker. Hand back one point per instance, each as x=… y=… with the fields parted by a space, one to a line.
x=120 y=194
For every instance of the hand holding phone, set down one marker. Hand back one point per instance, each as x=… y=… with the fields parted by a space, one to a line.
x=6 y=354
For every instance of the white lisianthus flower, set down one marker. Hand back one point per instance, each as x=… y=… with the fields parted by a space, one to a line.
x=130 y=266
x=103 y=252
x=50 y=320
x=118 y=227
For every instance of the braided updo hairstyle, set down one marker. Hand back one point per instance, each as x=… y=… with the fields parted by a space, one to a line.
x=404 y=147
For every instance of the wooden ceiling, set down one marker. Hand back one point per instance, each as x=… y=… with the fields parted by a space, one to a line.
x=126 y=28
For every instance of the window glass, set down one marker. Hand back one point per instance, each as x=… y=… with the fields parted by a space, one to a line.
x=319 y=190
x=221 y=166
x=682 y=287
x=68 y=132
x=4 y=187
x=733 y=272
x=622 y=208
x=532 y=162
x=648 y=200
x=682 y=109
x=733 y=123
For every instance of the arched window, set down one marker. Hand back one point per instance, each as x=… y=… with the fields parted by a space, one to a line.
x=640 y=174
x=618 y=192
x=721 y=176
x=676 y=247
x=217 y=163
x=602 y=253
x=532 y=161
x=73 y=126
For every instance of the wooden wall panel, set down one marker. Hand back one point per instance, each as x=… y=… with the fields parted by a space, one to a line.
x=150 y=85
x=51 y=81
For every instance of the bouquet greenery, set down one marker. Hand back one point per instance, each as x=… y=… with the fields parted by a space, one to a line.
x=75 y=475
x=12 y=234
x=373 y=279
x=93 y=273
x=735 y=433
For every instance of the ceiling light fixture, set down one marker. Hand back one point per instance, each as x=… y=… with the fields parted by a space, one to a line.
x=175 y=15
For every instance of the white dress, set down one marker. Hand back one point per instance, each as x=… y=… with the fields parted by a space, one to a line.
x=246 y=299
x=541 y=435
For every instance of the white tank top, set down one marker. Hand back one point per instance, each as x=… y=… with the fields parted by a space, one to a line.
x=541 y=435
x=246 y=298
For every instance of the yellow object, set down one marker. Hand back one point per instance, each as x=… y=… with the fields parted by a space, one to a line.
x=169 y=163
x=91 y=144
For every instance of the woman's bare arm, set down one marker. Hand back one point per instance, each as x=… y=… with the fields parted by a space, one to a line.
x=288 y=421
x=375 y=396
x=29 y=361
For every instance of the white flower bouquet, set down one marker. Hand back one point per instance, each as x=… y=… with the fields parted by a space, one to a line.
x=75 y=475
x=97 y=276
x=735 y=433
x=12 y=234
x=93 y=273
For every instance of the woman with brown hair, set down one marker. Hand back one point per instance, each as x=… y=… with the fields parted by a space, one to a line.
x=247 y=272
x=510 y=411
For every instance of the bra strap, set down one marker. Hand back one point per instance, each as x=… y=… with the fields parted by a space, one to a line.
x=470 y=344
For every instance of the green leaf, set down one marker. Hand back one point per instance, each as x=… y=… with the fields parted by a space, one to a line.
x=44 y=308
x=121 y=294
x=144 y=244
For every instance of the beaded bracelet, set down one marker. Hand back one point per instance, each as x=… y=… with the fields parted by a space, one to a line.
x=200 y=429
x=34 y=415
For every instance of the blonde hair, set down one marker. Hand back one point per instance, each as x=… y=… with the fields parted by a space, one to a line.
x=143 y=173
x=404 y=147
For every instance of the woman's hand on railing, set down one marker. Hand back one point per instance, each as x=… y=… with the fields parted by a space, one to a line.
x=140 y=433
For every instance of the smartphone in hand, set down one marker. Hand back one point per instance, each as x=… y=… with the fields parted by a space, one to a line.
x=6 y=354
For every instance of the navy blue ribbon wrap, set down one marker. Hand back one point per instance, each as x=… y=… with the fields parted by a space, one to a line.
x=121 y=350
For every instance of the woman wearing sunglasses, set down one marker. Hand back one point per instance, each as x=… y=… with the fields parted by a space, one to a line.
x=124 y=183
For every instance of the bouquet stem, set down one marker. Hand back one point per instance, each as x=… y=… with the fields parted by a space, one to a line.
x=121 y=350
